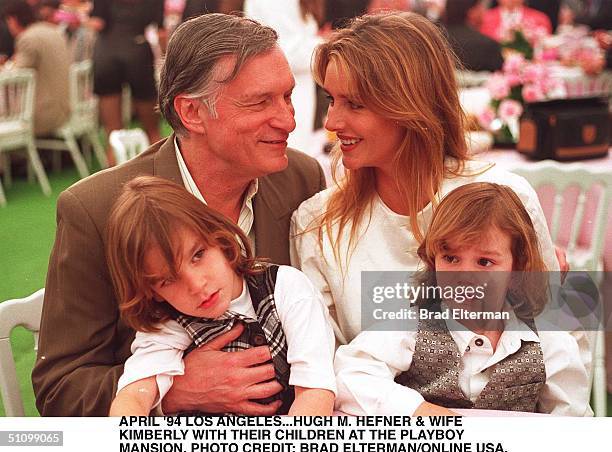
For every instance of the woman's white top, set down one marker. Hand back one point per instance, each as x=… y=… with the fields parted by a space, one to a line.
x=385 y=243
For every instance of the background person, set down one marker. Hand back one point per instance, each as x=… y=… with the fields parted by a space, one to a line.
x=121 y=56
x=42 y=47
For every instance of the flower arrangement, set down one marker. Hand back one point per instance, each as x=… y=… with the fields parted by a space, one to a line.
x=519 y=81
x=574 y=47
x=526 y=76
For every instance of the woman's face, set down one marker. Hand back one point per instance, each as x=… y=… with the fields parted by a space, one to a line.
x=366 y=138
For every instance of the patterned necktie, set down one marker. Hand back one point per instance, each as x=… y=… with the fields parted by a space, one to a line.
x=209 y=329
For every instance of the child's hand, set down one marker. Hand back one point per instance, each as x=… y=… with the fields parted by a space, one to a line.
x=429 y=409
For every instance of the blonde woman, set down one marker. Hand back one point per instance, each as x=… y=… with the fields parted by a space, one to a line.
x=395 y=109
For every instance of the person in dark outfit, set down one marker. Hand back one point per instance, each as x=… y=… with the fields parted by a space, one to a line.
x=195 y=8
x=122 y=55
x=476 y=51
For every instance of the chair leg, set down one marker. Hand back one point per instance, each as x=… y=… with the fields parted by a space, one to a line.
x=5 y=162
x=599 y=376
x=94 y=139
x=87 y=147
x=77 y=157
x=38 y=169
x=2 y=197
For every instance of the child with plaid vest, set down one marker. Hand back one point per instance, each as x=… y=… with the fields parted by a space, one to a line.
x=476 y=345
x=185 y=275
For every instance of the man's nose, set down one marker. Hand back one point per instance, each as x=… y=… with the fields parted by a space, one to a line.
x=284 y=117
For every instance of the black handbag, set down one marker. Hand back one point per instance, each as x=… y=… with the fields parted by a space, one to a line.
x=565 y=129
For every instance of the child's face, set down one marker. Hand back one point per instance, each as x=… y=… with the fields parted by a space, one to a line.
x=205 y=284
x=486 y=264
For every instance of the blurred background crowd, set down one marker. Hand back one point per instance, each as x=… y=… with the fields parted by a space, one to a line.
x=125 y=39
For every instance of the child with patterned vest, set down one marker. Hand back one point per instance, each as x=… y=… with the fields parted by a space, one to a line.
x=482 y=350
x=184 y=275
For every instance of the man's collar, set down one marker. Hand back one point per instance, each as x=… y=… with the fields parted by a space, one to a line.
x=187 y=179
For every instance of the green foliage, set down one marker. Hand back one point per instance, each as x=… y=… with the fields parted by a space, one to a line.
x=519 y=43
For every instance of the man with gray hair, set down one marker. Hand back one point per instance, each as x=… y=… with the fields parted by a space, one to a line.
x=226 y=91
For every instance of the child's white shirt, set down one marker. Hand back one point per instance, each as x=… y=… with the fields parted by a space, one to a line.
x=374 y=358
x=305 y=322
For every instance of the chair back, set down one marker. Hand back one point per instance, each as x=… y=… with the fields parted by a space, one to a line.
x=566 y=220
x=127 y=143
x=24 y=312
x=16 y=103
x=83 y=102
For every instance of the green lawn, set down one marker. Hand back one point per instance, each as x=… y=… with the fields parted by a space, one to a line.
x=27 y=229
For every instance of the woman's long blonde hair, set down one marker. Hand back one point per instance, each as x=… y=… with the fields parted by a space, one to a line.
x=398 y=65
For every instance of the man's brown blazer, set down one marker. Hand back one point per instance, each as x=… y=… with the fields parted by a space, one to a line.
x=83 y=342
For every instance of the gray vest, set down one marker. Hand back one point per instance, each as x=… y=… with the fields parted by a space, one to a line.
x=515 y=383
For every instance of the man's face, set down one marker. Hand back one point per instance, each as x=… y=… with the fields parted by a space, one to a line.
x=254 y=117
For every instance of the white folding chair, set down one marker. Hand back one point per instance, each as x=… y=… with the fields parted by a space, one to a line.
x=83 y=121
x=127 y=143
x=16 y=122
x=2 y=197
x=588 y=258
x=24 y=312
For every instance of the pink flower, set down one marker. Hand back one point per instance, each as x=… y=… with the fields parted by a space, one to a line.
x=532 y=93
x=513 y=63
x=534 y=34
x=498 y=86
x=551 y=54
x=509 y=110
x=486 y=117
x=533 y=73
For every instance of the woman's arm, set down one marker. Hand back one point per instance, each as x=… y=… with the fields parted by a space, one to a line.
x=136 y=399
x=312 y=402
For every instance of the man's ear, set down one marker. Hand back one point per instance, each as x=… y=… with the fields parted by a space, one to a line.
x=192 y=113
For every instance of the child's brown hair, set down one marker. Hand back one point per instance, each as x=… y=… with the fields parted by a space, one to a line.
x=468 y=211
x=149 y=212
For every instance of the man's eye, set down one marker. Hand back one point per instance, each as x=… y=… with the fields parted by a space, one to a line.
x=484 y=262
x=198 y=254
x=261 y=103
x=330 y=99
x=450 y=259
x=354 y=106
